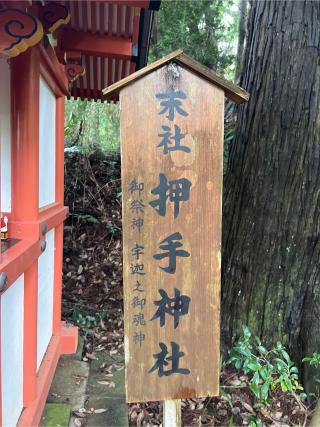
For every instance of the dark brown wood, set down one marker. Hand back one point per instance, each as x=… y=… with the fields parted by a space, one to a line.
x=199 y=223
x=232 y=91
x=271 y=206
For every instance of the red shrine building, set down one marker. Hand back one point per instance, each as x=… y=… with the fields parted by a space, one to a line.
x=48 y=50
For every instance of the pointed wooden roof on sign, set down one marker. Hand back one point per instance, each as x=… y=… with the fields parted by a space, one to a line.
x=232 y=91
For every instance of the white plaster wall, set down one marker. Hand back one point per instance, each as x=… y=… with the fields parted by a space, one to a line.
x=47 y=145
x=12 y=314
x=45 y=297
x=5 y=135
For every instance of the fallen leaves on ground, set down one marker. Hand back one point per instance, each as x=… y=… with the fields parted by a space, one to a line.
x=93 y=299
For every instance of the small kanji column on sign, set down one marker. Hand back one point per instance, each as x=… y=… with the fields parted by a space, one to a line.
x=172 y=152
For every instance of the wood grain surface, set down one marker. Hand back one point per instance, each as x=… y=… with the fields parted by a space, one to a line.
x=199 y=223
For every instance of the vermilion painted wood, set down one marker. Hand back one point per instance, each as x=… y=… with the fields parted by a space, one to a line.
x=19 y=258
x=116 y=70
x=84 y=5
x=81 y=90
x=27 y=219
x=25 y=193
x=32 y=414
x=30 y=334
x=101 y=18
x=110 y=19
x=123 y=70
x=69 y=339
x=60 y=151
x=132 y=67
x=119 y=18
x=50 y=216
x=94 y=7
x=136 y=20
x=143 y=4
x=64 y=344
x=17 y=4
x=88 y=74
x=110 y=81
x=95 y=44
x=0 y=372
x=53 y=72
x=127 y=22
x=102 y=71
x=95 y=78
x=30 y=31
x=25 y=135
x=57 y=289
x=76 y=16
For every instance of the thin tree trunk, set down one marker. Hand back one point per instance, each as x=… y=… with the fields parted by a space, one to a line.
x=271 y=268
x=154 y=36
x=243 y=30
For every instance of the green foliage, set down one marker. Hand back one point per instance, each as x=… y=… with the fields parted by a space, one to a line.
x=204 y=29
x=268 y=369
x=254 y=421
x=113 y=229
x=86 y=321
x=86 y=219
x=314 y=360
x=92 y=125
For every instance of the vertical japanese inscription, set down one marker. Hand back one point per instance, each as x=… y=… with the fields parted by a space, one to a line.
x=171 y=174
x=138 y=302
x=175 y=191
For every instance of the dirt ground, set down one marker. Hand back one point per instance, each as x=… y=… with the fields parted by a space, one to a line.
x=92 y=299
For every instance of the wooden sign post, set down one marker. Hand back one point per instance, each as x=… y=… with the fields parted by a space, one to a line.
x=172 y=156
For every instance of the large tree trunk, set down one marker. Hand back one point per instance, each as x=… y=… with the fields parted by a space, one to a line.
x=271 y=269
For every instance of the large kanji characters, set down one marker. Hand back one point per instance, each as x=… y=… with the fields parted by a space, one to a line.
x=170 y=191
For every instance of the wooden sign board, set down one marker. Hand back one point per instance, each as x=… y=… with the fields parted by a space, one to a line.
x=172 y=148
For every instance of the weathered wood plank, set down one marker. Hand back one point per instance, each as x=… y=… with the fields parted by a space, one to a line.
x=197 y=276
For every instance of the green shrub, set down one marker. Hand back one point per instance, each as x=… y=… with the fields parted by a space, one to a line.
x=268 y=369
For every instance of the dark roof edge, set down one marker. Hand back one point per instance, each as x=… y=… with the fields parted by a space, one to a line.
x=154 y=4
x=145 y=28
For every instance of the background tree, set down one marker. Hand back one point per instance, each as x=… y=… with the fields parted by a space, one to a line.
x=92 y=125
x=204 y=29
x=272 y=195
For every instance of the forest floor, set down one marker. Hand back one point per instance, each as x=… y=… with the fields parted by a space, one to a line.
x=93 y=299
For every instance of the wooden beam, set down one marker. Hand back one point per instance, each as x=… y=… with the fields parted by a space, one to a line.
x=142 y=4
x=95 y=44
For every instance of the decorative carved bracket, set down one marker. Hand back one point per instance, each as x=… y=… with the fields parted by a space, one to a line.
x=19 y=30
x=73 y=71
x=53 y=15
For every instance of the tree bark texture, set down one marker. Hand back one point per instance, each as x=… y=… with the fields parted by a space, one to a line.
x=271 y=269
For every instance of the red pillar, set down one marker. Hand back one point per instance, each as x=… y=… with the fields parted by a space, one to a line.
x=59 y=229
x=30 y=334
x=25 y=192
